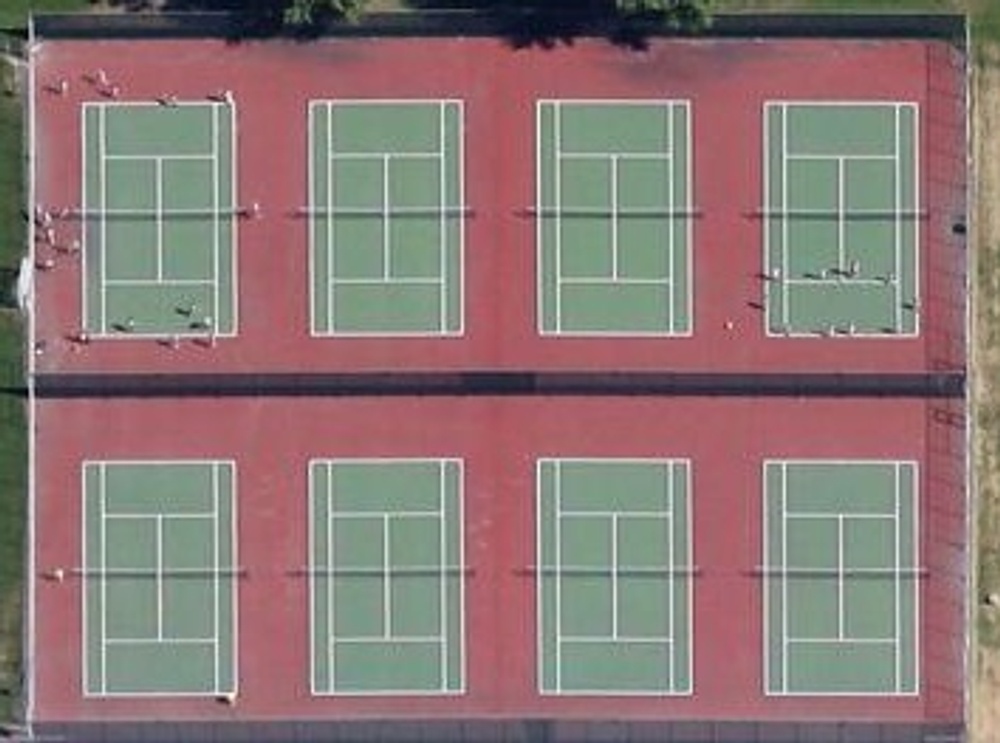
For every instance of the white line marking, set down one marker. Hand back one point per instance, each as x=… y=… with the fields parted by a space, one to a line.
x=784 y=286
x=330 y=629
x=216 y=585
x=445 y=559
x=896 y=599
x=442 y=221
x=841 y=634
x=216 y=275
x=557 y=534
x=331 y=244
x=670 y=163
x=102 y=508
x=102 y=148
x=386 y=234
x=614 y=576
x=386 y=580
x=160 y=609
x=841 y=232
x=613 y=164
x=557 y=198
x=784 y=580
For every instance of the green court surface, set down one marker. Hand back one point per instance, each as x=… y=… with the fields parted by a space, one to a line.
x=614 y=586
x=159 y=578
x=159 y=219
x=386 y=228
x=841 y=219
x=614 y=217
x=841 y=577
x=387 y=577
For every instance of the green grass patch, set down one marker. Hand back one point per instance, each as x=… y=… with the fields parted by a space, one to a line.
x=13 y=488
x=13 y=434
x=14 y=13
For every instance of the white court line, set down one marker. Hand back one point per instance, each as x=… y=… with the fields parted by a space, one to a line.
x=460 y=167
x=841 y=228
x=896 y=623
x=671 y=579
x=444 y=570
x=207 y=157
x=840 y=578
x=602 y=281
x=557 y=534
x=637 y=513
x=614 y=577
x=386 y=234
x=622 y=639
x=915 y=560
x=826 y=157
x=445 y=560
x=915 y=250
x=785 y=288
x=765 y=557
x=101 y=510
x=159 y=576
x=604 y=156
x=462 y=621
x=557 y=198
x=765 y=188
x=331 y=240
x=157 y=282
x=216 y=586
x=154 y=641
x=158 y=215
x=330 y=630
x=138 y=516
x=833 y=642
x=102 y=148
x=613 y=164
x=442 y=221
x=379 y=514
x=386 y=580
x=671 y=198
x=313 y=248
x=402 y=639
x=374 y=155
x=824 y=515
x=391 y=281
x=784 y=580
x=614 y=569
x=313 y=576
x=216 y=277
x=897 y=289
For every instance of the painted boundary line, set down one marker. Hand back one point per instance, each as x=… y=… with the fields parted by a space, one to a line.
x=444 y=212
x=447 y=635
x=104 y=332
x=684 y=211
x=777 y=573
x=670 y=466
x=31 y=545
x=898 y=213
x=100 y=467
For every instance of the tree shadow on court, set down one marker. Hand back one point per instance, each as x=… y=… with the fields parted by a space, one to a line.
x=548 y=24
x=544 y=24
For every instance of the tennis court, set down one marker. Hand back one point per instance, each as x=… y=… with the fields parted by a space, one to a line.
x=387 y=567
x=614 y=577
x=614 y=217
x=159 y=219
x=841 y=218
x=841 y=576
x=387 y=212
x=159 y=571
